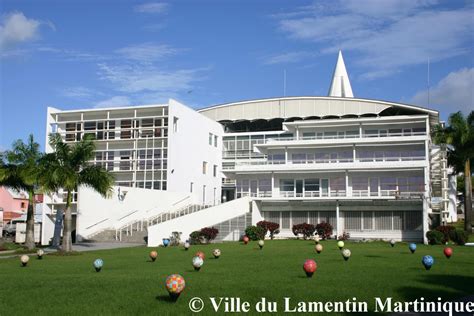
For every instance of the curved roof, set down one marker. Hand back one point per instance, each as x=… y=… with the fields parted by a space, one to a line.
x=311 y=106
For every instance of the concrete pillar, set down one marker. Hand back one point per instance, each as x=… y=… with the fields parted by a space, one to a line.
x=286 y=155
x=348 y=192
x=338 y=226
x=273 y=184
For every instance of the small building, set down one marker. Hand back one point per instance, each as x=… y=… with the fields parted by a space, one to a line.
x=14 y=203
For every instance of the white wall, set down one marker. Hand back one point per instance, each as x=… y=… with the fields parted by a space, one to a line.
x=195 y=221
x=47 y=224
x=96 y=213
x=452 y=194
x=188 y=147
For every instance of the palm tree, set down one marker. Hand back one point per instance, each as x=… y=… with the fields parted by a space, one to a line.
x=458 y=137
x=68 y=168
x=20 y=172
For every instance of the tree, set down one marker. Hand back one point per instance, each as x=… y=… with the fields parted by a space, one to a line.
x=20 y=171
x=68 y=168
x=458 y=137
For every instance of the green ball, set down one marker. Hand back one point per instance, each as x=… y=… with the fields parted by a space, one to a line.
x=340 y=244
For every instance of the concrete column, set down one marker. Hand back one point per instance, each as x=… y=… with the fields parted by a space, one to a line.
x=338 y=226
x=360 y=130
x=354 y=156
x=273 y=184
x=286 y=155
x=348 y=192
x=297 y=133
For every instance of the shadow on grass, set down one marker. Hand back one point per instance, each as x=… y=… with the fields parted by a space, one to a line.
x=445 y=286
x=374 y=256
x=165 y=298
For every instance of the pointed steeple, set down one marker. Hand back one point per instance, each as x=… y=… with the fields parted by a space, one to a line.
x=340 y=85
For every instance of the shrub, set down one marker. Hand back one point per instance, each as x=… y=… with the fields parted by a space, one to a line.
x=307 y=230
x=446 y=230
x=271 y=227
x=459 y=236
x=255 y=232
x=324 y=230
x=344 y=236
x=195 y=237
x=434 y=237
x=210 y=233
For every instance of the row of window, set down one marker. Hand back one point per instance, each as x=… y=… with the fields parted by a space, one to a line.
x=156 y=185
x=351 y=220
x=213 y=139
x=204 y=169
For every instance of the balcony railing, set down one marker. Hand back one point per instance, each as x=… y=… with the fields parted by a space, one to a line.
x=334 y=194
x=348 y=136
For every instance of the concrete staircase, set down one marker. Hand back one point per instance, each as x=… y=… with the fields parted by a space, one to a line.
x=108 y=235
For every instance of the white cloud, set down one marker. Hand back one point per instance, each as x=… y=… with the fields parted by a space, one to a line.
x=452 y=93
x=290 y=57
x=16 y=28
x=147 y=52
x=135 y=78
x=78 y=92
x=115 y=101
x=388 y=35
x=152 y=7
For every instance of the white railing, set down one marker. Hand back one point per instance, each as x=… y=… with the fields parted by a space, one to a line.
x=350 y=136
x=333 y=193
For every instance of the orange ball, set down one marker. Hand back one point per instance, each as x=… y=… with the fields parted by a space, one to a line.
x=200 y=254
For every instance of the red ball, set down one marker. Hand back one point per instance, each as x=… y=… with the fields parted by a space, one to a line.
x=246 y=240
x=310 y=267
x=448 y=252
x=200 y=254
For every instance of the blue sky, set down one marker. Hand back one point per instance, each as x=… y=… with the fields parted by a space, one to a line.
x=85 y=54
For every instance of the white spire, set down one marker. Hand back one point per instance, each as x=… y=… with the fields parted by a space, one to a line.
x=340 y=85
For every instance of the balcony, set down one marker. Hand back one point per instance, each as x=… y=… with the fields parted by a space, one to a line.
x=333 y=194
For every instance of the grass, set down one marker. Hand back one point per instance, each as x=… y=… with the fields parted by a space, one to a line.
x=130 y=283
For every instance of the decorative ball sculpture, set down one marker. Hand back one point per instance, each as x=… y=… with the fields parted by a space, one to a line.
x=310 y=267
x=166 y=242
x=175 y=285
x=197 y=263
x=412 y=247
x=340 y=244
x=186 y=246
x=317 y=239
x=392 y=242
x=260 y=244
x=318 y=248
x=427 y=261
x=448 y=252
x=24 y=260
x=200 y=254
x=346 y=254
x=246 y=240
x=98 y=264
x=153 y=255
x=216 y=253
x=40 y=253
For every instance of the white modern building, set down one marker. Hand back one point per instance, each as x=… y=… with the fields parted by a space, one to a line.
x=367 y=167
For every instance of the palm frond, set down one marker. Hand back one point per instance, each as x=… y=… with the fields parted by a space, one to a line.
x=97 y=178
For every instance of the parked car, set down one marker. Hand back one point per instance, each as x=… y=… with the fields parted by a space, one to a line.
x=9 y=230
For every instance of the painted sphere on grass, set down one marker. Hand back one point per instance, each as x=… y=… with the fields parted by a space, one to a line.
x=346 y=254
x=340 y=244
x=216 y=253
x=186 y=246
x=40 y=253
x=309 y=267
x=412 y=247
x=317 y=239
x=197 y=263
x=427 y=261
x=448 y=252
x=98 y=264
x=175 y=284
x=261 y=243
x=24 y=260
x=200 y=254
x=318 y=248
x=392 y=242
x=166 y=242
x=245 y=240
x=153 y=255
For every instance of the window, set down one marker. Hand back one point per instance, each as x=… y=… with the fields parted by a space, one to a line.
x=204 y=167
x=191 y=187
x=311 y=185
x=287 y=185
x=175 y=124
x=214 y=171
x=210 y=138
x=23 y=204
x=215 y=140
x=89 y=126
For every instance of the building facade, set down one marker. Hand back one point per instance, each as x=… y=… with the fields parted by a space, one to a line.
x=367 y=167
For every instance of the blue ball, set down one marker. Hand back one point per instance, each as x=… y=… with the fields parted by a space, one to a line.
x=427 y=261
x=98 y=263
x=166 y=242
x=412 y=247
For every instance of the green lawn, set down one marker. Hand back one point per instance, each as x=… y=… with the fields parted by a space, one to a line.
x=130 y=284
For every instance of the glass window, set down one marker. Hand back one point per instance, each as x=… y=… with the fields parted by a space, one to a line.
x=287 y=185
x=210 y=138
x=215 y=140
x=311 y=185
x=214 y=171
x=204 y=167
x=298 y=158
x=360 y=183
x=88 y=126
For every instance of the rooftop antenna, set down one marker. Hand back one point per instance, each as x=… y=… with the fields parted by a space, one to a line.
x=428 y=79
x=284 y=82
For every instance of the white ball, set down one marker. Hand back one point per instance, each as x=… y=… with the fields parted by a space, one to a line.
x=216 y=252
x=24 y=259
x=197 y=262
x=261 y=243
